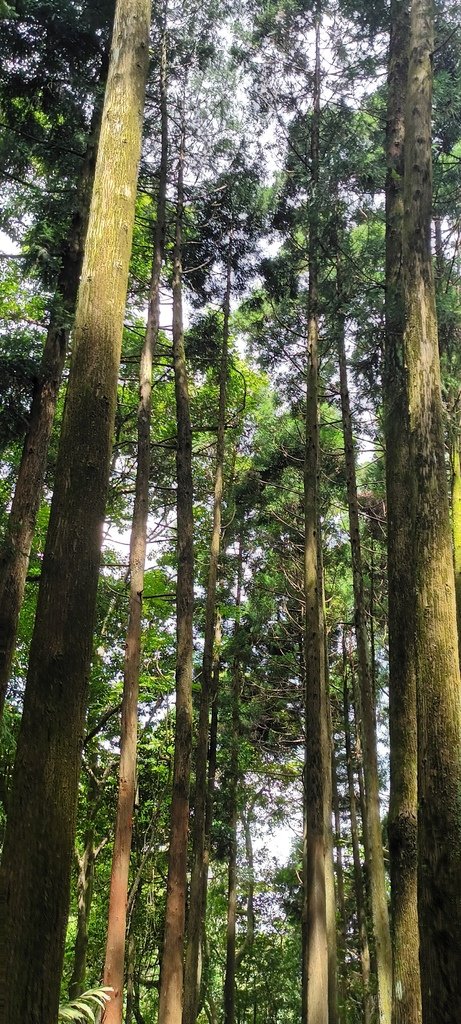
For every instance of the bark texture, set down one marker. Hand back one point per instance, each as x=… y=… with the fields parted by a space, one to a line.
x=436 y=646
x=116 y=928
x=39 y=838
x=171 y=980
x=16 y=547
x=406 y=993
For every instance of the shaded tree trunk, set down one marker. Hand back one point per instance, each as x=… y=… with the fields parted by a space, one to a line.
x=436 y=645
x=406 y=995
x=456 y=522
x=39 y=840
x=317 y=749
x=197 y=889
x=16 y=547
x=367 y=1001
x=116 y=928
x=339 y=868
x=171 y=980
x=231 y=958
x=85 y=883
x=377 y=875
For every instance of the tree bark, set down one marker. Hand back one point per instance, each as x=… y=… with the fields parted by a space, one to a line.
x=16 y=547
x=39 y=838
x=84 y=898
x=317 y=748
x=171 y=981
x=117 y=914
x=195 y=923
x=436 y=645
x=367 y=1002
x=406 y=994
x=231 y=956
x=377 y=875
x=456 y=523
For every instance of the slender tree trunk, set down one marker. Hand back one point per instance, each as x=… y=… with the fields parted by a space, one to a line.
x=379 y=909
x=406 y=1001
x=116 y=927
x=231 y=958
x=316 y=757
x=212 y=762
x=130 y=969
x=39 y=840
x=193 y=954
x=436 y=645
x=84 y=898
x=250 y=915
x=15 y=551
x=367 y=1002
x=171 y=981
x=340 y=890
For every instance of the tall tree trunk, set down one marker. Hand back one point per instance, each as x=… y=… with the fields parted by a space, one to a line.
x=229 y=978
x=367 y=1002
x=116 y=926
x=379 y=909
x=406 y=995
x=171 y=981
x=436 y=646
x=317 y=748
x=39 y=840
x=193 y=954
x=15 y=552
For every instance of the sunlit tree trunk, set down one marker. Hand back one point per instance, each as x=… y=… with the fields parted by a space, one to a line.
x=116 y=927
x=15 y=551
x=171 y=979
x=406 y=1002
x=39 y=840
x=436 y=645
x=456 y=521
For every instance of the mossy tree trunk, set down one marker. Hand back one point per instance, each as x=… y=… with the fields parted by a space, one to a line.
x=16 y=547
x=39 y=840
x=406 y=995
x=436 y=644
x=116 y=927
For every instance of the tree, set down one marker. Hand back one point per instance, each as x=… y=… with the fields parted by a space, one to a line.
x=38 y=845
x=436 y=646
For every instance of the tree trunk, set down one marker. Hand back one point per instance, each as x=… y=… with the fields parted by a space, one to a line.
x=316 y=756
x=15 y=552
x=39 y=838
x=116 y=927
x=456 y=522
x=367 y=1002
x=171 y=981
x=436 y=645
x=379 y=909
x=229 y=979
x=340 y=891
x=406 y=995
x=84 y=897
x=193 y=954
